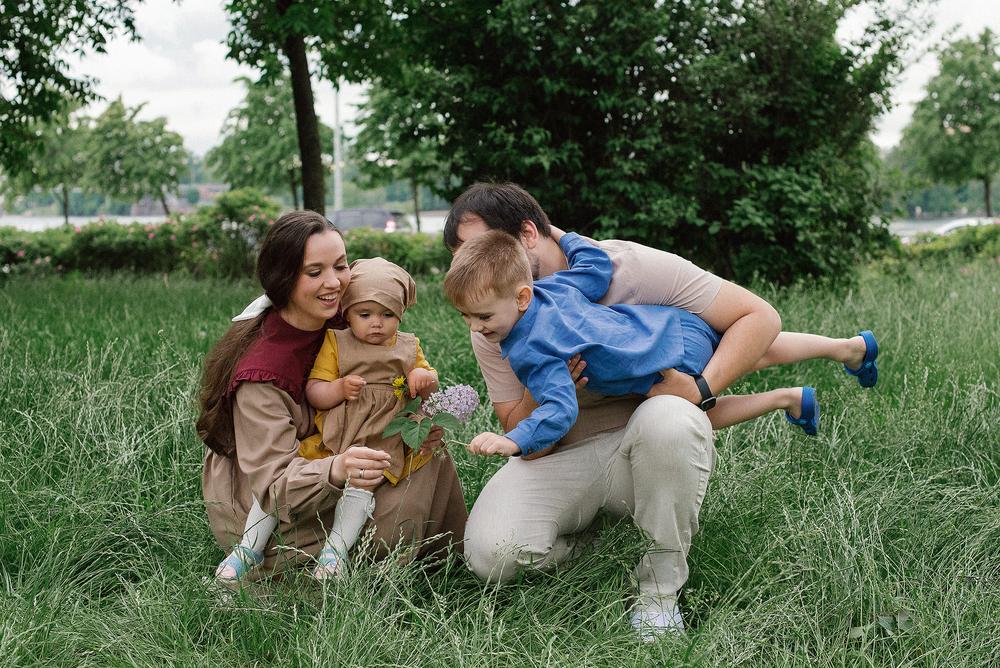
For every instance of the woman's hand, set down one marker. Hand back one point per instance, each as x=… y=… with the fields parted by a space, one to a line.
x=360 y=467
x=434 y=440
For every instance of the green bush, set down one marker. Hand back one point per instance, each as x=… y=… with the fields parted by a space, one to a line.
x=417 y=253
x=968 y=242
x=220 y=240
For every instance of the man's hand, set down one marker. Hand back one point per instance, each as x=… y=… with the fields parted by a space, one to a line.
x=576 y=367
x=352 y=386
x=422 y=382
x=678 y=384
x=489 y=443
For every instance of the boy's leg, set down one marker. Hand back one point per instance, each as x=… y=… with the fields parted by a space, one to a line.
x=735 y=408
x=352 y=512
x=790 y=347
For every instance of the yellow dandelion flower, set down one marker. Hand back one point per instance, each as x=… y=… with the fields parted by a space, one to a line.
x=398 y=381
x=398 y=392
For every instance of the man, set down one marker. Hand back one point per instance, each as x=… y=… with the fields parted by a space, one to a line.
x=648 y=459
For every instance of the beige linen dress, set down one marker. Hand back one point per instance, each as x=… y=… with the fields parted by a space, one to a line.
x=426 y=509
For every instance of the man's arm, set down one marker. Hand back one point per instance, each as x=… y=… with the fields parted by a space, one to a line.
x=748 y=324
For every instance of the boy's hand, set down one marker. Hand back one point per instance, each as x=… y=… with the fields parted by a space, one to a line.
x=352 y=386
x=489 y=443
x=422 y=382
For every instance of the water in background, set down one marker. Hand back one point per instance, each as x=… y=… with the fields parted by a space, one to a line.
x=39 y=223
x=430 y=222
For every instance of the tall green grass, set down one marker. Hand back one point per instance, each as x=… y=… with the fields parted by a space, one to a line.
x=876 y=543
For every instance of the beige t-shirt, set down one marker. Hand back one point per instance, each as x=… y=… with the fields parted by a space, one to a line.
x=641 y=275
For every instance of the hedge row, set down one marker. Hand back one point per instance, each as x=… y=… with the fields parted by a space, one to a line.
x=219 y=240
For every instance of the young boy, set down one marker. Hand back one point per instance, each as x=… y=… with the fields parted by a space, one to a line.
x=540 y=325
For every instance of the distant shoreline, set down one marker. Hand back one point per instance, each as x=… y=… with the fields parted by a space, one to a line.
x=431 y=221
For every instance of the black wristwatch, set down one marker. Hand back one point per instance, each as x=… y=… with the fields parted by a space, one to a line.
x=707 y=397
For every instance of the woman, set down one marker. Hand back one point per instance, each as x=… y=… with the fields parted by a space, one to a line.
x=254 y=413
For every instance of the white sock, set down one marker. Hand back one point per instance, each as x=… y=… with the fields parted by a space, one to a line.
x=258 y=529
x=353 y=510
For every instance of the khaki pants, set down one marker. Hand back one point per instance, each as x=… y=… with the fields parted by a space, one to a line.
x=655 y=470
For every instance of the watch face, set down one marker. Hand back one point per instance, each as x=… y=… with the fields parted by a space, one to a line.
x=707 y=404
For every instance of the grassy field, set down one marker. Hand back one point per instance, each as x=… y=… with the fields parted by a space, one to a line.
x=877 y=543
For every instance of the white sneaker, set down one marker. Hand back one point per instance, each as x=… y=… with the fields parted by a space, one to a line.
x=651 y=621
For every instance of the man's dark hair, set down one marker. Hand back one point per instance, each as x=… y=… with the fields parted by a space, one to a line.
x=502 y=206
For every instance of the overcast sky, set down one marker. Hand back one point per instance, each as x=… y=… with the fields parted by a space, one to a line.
x=180 y=71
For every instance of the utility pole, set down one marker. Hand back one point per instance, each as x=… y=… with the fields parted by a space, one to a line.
x=338 y=166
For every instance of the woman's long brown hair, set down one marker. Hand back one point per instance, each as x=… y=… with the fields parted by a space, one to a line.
x=278 y=268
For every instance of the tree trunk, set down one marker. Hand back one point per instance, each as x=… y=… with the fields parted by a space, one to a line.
x=163 y=202
x=313 y=191
x=65 y=204
x=295 y=188
x=986 y=195
x=416 y=201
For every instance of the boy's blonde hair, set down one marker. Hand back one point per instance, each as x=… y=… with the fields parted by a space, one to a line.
x=493 y=263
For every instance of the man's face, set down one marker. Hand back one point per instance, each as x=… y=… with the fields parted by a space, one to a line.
x=472 y=226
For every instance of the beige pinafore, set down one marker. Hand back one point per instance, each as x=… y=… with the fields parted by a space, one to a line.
x=362 y=420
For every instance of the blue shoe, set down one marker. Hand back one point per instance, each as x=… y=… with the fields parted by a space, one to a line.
x=242 y=560
x=329 y=564
x=867 y=373
x=809 y=419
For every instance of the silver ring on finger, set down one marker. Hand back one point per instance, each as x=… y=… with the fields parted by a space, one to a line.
x=363 y=476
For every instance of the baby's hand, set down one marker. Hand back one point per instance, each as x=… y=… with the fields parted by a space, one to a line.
x=422 y=382
x=489 y=443
x=352 y=386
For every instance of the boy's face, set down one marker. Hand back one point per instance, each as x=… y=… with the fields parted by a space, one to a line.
x=494 y=316
x=372 y=323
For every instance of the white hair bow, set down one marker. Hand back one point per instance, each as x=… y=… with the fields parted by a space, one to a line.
x=254 y=309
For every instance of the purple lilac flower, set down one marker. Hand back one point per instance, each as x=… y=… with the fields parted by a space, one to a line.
x=459 y=400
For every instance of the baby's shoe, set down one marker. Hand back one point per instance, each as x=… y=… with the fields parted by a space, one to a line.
x=329 y=565
x=238 y=564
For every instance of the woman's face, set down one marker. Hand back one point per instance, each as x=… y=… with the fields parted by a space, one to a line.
x=322 y=279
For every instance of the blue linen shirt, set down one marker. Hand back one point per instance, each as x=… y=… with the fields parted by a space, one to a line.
x=625 y=346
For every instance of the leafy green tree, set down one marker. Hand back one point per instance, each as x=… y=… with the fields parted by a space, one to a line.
x=273 y=36
x=259 y=146
x=35 y=83
x=133 y=159
x=58 y=160
x=398 y=142
x=732 y=132
x=954 y=136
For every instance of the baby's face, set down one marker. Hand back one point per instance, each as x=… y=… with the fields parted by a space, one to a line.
x=372 y=323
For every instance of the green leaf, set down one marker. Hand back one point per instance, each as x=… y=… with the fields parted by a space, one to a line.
x=411 y=434
x=446 y=420
x=395 y=426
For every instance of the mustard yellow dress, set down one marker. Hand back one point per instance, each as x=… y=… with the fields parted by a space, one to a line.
x=361 y=421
